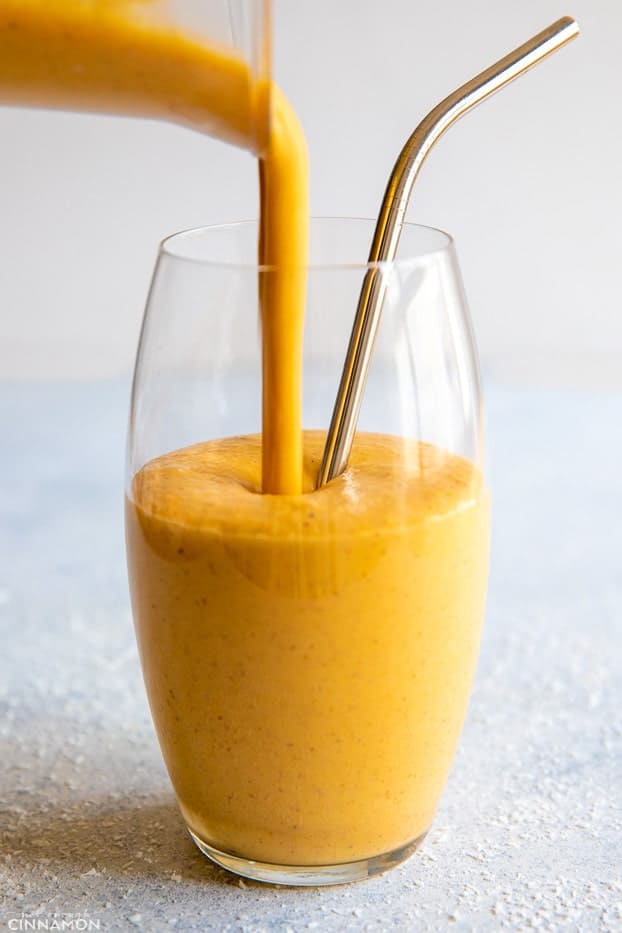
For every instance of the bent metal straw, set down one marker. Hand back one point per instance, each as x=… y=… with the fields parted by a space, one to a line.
x=389 y=227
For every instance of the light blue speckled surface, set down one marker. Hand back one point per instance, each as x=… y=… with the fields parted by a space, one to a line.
x=529 y=831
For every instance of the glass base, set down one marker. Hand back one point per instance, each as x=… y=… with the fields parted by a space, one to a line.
x=308 y=875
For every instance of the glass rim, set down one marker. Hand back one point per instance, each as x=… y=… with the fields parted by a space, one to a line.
x=167 y=247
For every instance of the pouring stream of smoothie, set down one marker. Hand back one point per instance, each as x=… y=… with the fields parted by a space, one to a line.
x=121 y=58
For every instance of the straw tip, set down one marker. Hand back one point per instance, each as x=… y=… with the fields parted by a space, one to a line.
x=570 y=23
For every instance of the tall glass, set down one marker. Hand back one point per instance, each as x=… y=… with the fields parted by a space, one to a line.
x=308 y=659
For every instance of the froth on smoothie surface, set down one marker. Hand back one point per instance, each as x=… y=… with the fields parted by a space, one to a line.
x=390 y=481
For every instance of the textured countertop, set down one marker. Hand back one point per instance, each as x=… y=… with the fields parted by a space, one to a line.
x=529 y=832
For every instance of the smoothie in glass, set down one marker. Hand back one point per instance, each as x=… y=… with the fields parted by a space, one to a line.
x=308 y=659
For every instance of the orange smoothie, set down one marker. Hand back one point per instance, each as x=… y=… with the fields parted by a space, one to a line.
x=308 y=659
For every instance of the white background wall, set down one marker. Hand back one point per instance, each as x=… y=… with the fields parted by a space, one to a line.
x=530 y=185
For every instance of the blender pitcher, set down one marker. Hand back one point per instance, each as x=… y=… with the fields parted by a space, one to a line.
x=201 y=63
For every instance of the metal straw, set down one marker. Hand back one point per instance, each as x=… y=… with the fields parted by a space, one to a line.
x=389 y=227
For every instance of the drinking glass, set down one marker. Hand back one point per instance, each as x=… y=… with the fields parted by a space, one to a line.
x=308 y=659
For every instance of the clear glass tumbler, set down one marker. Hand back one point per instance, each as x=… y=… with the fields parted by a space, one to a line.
x=308 y=659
